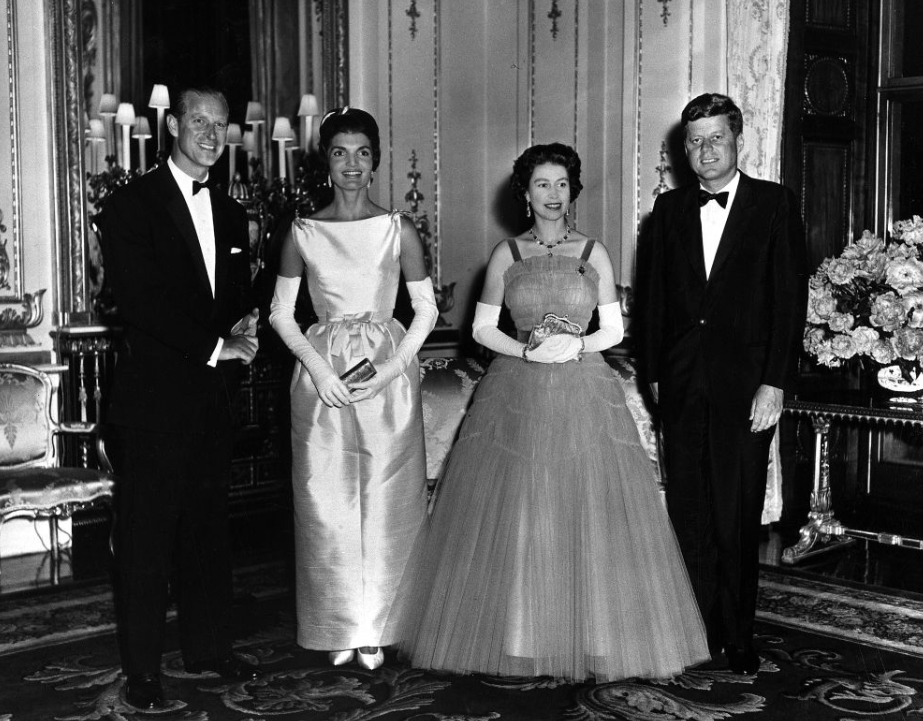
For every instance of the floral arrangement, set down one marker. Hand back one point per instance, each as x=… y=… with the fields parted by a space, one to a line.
x=865 y=307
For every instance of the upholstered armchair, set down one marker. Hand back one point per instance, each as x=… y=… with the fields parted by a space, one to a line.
x=33 y=483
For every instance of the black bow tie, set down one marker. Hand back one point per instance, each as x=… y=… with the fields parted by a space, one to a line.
x=720 y=198
x=207 y=185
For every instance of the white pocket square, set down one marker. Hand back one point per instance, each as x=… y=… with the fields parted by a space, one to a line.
x=236 y=250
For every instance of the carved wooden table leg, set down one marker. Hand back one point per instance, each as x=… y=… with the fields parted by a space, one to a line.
x=822 y=532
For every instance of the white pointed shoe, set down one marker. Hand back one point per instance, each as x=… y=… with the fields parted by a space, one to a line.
x=338 y=658
x=371 y=661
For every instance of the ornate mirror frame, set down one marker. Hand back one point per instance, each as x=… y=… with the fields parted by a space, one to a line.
x=81 y=50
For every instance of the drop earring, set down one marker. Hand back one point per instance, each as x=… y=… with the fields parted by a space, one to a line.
x=329 y=181
x=371 y=178
x=528 y=209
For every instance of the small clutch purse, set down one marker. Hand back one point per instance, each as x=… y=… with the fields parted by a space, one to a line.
x=551 y=325
x=362 y=371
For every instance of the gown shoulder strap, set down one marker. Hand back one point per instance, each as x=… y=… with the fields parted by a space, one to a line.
x=587 y=249
x=514 y=249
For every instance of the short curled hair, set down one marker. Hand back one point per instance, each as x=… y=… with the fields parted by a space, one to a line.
x=710 y=105
x=349 y=120
x=554 y=153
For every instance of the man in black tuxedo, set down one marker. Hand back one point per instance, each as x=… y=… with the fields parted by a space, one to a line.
x=176 y=254
x=723 y=297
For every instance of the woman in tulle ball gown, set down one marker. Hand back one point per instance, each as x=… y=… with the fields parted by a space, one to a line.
x=358 y=459
x=548 y=550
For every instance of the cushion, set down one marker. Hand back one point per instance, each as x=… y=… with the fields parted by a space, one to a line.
x=23 y=422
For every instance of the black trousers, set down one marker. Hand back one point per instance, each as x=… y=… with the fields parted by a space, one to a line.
x=716 y=484
x=172 y=527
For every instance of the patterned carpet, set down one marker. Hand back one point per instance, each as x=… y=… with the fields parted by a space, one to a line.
x=828 y=652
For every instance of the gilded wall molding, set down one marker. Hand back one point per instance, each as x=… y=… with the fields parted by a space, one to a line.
x=10 y=201
x=66 y=73
x=414 y=15
x=554 y=14
x=336 y=52
x=665 y=11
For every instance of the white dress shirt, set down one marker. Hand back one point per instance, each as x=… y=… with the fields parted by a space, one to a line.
x=714 y=218
x=200 y=208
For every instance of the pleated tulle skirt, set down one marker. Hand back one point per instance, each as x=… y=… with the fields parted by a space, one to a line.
x=548 y=550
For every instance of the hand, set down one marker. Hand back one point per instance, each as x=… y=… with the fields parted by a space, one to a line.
x=247 y=324
x=558 y=348
x=333 y=392
x=655 y=391
x=239 y=347
x=766 y=408
x=387 y=372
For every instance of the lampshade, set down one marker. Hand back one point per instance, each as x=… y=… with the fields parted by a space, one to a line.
x=108 y=104
x=234 y=135
x=293 y=138
x=160 y=97
x=97 y=130
x=249 y=144
x=142 y=128
x=255 y=113
x=308 y=105
x=282 y=129
x=125 y=114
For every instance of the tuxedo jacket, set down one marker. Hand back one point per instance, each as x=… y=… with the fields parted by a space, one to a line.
x=741 y=327
x=171 y=322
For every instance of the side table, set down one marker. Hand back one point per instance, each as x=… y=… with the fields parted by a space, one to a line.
x=823 y=532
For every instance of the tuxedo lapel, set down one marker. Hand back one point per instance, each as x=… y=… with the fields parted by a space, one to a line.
x=739 y=217
x=221 y=222
x=179 y=214
x=691 y=232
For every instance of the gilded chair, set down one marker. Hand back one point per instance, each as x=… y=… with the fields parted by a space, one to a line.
x=33 y=483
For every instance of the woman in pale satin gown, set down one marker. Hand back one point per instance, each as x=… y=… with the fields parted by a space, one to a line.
x=549 y=550
x=358 y=463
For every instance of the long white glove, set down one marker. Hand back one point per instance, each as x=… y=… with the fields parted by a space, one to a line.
x=611 y=329
x=485 y=330
x=556 y=349
x=425 y=313
x=332 y=391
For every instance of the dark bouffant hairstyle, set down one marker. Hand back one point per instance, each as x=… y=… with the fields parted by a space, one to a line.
x=349 y=120
x=554 y=153
x=179 y=101
x=709 y=105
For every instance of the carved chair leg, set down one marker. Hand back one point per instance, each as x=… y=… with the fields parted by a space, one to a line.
x=55 y=551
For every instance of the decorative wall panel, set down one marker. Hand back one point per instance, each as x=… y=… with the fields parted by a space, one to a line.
x=10 y=203
x=460 y=89
x=826 y=201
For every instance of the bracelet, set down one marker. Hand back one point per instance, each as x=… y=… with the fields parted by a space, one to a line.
x=582 y=348
x=525 y=347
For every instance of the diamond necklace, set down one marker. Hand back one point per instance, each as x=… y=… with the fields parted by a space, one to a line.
x=550 y=246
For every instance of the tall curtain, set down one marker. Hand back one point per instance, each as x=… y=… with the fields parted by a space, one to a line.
x=757 y=43
x=757 y=38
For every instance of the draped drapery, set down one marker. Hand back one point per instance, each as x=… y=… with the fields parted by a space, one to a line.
x=757 y=43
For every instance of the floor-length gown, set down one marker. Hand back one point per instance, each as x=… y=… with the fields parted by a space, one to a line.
x=358 y=472
x=548 y=550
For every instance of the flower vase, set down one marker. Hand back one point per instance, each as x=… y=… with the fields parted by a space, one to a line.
x=898 y=389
